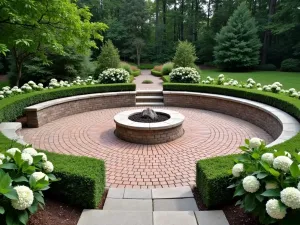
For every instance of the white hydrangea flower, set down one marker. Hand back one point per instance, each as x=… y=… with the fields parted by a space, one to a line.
x=273 y=209
x=290 y=196
x=30 y=151
x=298 y=185
x=255 y=142
x=251 y=184
x=2 y=156
x=48 y=167
x=271 y=185
x=39 y=175
x=13 y=151
x=27 y=157
x=282 y=163
x=1 y=162
x=268 y=158
x=44 y=156
x=25 y=199
x=237 y=169
x=287 y=154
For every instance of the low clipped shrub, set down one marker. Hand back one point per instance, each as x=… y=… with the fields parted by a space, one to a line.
x=147 y=82
x=185 y=55
x=112 y=75
x=165 y=79
x=125 y=66
x=167 y=68
x=267 y=183
x=184 y=75
x=136 y=73
x=24 y=176
x=266 y=67
x=12 y=107
x=290 y=65
x=156 y=73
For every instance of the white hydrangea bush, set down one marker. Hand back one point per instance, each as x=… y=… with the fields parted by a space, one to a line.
x=24 y=175
x=185 y=75
x=112 y=75
x=267 y=182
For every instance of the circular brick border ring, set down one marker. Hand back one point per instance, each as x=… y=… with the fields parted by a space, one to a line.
x=149 y=133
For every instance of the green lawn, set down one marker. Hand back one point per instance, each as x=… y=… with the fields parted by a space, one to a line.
x=289 y=80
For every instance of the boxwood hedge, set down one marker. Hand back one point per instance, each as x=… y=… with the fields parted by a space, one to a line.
x=13 y=107
x=156 y=73
x=212 y=175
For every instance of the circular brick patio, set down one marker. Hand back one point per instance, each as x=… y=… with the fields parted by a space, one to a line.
x=170 y=164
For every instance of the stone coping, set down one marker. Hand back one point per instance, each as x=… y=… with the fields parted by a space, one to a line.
x=10 y=129
x=290 y=126
x=50 y=103
x=175 y=120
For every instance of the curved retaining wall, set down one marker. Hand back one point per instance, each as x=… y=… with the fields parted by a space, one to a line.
x=280 y=125
x=42 y=113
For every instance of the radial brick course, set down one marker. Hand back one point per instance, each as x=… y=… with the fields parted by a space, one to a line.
x=131 y=165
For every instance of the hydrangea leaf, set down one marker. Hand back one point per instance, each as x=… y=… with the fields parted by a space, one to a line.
x=250 y=202
x=294 y=169
x=271 y=193
x=23 y=216
x=9 y=166
x=11 y=194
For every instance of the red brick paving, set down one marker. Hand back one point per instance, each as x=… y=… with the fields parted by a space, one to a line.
x=131 y=165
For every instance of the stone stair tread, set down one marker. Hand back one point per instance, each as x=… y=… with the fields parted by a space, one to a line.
x=183 y=204
x=116 y=217
x=149 y=91
x=128 y=204
x=149 y=104
x=149 y=97
x=172 y=192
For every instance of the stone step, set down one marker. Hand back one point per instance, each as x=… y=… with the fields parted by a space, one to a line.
x=128 y=204
x=149 y=104
x=149 y=93
x=149 y=98
x=111 y=217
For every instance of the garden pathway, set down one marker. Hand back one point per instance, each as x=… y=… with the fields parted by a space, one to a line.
x=146 y=75
x=168 y=206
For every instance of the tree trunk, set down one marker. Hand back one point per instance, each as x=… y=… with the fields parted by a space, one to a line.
x=19 y=72
x=156 y=24
x=182 y=20
x=164 y=22
x=208 y=12
x=196 y=21
x=175 y=21
x=267 y=35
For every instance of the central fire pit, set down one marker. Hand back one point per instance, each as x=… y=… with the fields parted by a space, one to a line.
x=149 y=126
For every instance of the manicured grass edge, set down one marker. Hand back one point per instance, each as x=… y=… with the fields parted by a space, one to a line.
x=213 y=174
x=82 y=178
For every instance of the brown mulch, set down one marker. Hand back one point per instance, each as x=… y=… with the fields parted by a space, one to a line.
x=234 y=214
x=58 y=213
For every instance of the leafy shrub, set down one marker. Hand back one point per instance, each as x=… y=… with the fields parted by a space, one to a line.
x=158 y=68
x=108 y=58
x=267 y=183
x=125 y=66
x=266 y=67
x=110 y=76
x=24 y=175
x=184 y=75
x=11 y=108
x=167 y=68
x=290 y=65
x=156 y=73
x=185 y=55
x=147 y=82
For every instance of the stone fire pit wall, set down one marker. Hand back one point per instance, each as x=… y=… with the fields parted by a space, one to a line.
x=42 y=113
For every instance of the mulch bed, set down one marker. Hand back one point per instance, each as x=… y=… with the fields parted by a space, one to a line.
x=234 y=214
x=58 y=213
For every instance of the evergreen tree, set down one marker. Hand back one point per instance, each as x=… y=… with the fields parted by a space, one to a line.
x=108 y=58
x=238 y=43
x=185 y=55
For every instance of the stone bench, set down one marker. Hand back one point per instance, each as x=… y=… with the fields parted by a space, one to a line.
x=45 y=112
x=280 y=125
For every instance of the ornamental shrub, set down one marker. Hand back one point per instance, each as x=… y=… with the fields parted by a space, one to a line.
x=108 y=58
x=125 y=66
x=238 y=44
x=24 y=175
x=267 y=184
x=290 y=65
x=167 y=68
x=112 y=75
x=184 y=75
x=185 y=55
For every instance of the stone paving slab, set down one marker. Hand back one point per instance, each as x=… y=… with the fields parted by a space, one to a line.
x=185 y=204
x=128 y=204
x=98 y=217
x=175 y=192
x=115 y=193
x=137 y=193
x=211 y=218
x=174 y=218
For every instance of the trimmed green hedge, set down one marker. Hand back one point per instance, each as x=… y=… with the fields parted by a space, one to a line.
x=136 y=73
x=166 y=78
x=213 y=174
x=156 y=73
x=13 y=107
x=82 y=179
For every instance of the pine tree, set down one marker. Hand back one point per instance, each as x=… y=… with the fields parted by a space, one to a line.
x=238 y=43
